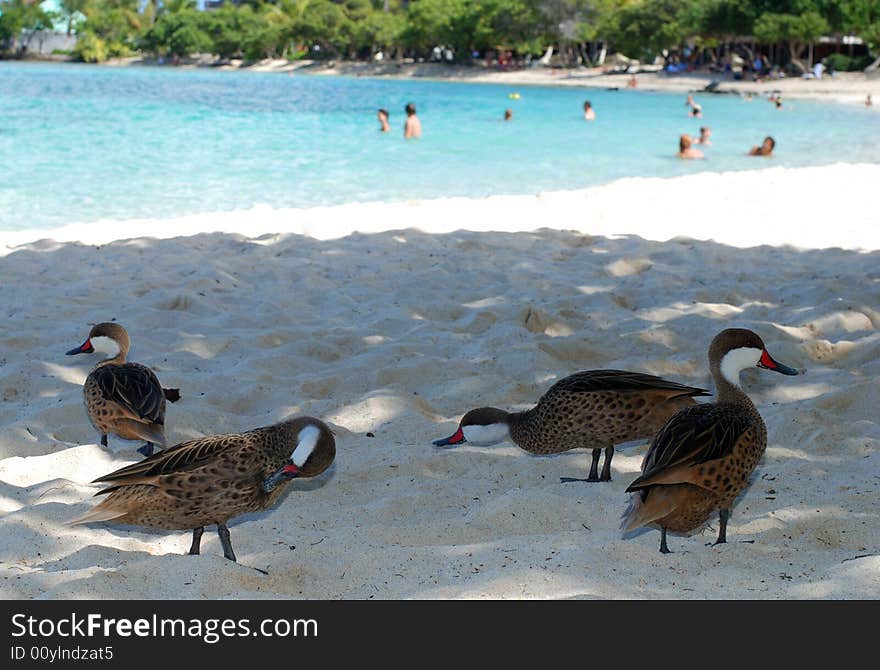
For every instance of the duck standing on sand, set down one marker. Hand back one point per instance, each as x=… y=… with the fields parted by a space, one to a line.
x=594 y=410
x=122 y=398
x=213 y=479
x=702 y=458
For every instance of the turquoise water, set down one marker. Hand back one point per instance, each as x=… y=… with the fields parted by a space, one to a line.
x=81 y=143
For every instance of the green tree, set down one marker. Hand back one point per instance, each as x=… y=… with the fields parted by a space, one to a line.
x=643 y=30
x=796 y=31
x=116 y=23
x=20 y=18
x=324 y=23
x=72 y=10
x=862 y=17
x=178 y=33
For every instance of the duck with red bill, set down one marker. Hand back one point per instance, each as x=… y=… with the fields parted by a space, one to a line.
x=213 y=479
x=286 y=471
x=593 y=409
x=122 y=398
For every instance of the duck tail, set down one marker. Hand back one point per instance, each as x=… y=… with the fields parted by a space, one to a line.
x=171 y=395
x=645 y=507
x=97 y=513
x=150 y=432
x=632 y=517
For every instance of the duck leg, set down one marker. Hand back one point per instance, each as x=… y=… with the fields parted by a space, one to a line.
x=664 y=549
x=147 y=449
x=723 y=516
x=104 y=440
x=223 y=532
x=594 y=467
x=594 y=471
x=197 y=541
x=606 y=466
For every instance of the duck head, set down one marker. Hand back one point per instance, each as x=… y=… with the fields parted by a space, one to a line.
x=313 y=452
x=482 y=427
x=107 y=338
x=735 y=349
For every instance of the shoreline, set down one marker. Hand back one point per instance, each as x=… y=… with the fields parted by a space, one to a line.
x=787 y=197
x=845 y=87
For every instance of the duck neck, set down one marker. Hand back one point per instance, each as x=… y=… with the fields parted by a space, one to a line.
x=118 y=359
x=523 y=426
x=729 y=392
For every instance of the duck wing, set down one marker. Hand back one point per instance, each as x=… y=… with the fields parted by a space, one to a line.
x=694 y=435
x=623 y=380
x=135 y=388
x=179 y=458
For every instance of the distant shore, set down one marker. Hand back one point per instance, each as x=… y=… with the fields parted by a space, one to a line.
x=846 y=87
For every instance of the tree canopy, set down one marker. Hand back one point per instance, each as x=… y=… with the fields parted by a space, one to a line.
x=254 y=29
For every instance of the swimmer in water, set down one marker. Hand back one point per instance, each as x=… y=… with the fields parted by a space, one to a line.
x=589 y=112
x=412 y=129
x=382 y=115
x=705 y=137
x=766 y=148
x=685 y=150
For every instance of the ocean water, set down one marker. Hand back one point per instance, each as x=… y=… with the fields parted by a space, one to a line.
x=82 y=143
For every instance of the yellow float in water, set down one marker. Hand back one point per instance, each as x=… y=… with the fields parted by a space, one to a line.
x=513 y=96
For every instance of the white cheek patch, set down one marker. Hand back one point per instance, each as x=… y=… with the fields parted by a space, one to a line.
x=104 y=345
x=307 y=440
x=486 y=435
x=737 y=360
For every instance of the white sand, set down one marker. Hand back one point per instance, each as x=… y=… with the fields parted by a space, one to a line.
x=847 y=87
x=398 y=333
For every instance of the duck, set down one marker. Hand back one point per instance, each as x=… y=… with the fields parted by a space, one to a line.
x=594 y=409
x=125 y=399
x=702 y=459
x=210 y=480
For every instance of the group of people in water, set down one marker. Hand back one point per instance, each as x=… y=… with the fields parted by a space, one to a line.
x=686 y=143
x=412 y=127
x=687 y=150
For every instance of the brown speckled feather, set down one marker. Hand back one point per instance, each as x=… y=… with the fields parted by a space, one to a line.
x=695 y=435
x=133 y=387
x=592 y=381
x=181 y=457
x=599 y=408
x=209 y=480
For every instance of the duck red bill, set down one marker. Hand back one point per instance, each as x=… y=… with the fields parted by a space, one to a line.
x=85 y=348
x=456 y=438
x=768 y=362
x=284 y=472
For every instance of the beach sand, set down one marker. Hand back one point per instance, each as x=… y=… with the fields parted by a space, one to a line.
x=389 y=321
x=847 y=87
